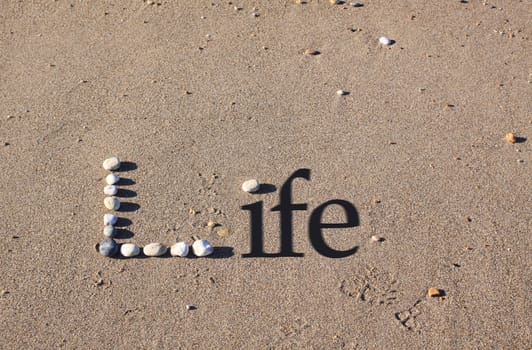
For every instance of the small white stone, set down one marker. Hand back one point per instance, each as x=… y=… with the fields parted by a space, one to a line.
x=110 y=190
x=112 y=203
x=111 y=179
x=111 y=163
x=250 y=186
x=109 y=231
x=376 y=238
x=109 y=219
x=179 y=249
x=342 y=92
x=155 y=249
x=129 y=250
x=202 y=247
x=385 y=41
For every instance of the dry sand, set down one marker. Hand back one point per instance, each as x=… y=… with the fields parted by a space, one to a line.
x=422 y=130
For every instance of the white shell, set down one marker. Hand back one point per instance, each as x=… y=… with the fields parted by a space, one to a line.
x=385 y=41
x=111 y=179
x=155 y=249
x=109 y=231
x=110 y=190
x=109 y=219
x=250 y=186
x=129 y=250
x=111 y=203
x=180 y=249
x=341 y=92
x=202 y=247
x=111 y=163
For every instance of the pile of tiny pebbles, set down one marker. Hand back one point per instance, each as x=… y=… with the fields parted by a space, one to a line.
x=108 y=246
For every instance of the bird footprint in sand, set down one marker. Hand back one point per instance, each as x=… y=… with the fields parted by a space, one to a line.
x=371 y=286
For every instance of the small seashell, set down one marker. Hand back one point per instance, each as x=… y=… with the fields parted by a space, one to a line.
x=311 y=52
x=109 y=231
x=109 y=219
x=510 y=137
x=250 y=186
x=342 y=92
x=155 y=249
x=110 y=190
x=129 y=249
x=180 y=249
x=385 y=41
x=112 y=203
x=111 y=179
x=111 y=163
x=108 y=247
x=434 y=292
x=202 y=247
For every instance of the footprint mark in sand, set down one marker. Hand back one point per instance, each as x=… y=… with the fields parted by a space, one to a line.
x=407 y=318
x=371 y=286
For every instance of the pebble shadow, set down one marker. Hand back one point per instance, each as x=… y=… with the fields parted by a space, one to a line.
x=266 y=188
x=123 y=234
x=125 y=182
x=128 y=207
x=127 y=166
x=123 y=222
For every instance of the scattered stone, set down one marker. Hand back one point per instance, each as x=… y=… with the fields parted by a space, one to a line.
x=211 y=224
x=301 y=2
x=385 y=41
x=468 y=219
x=190 y=307
x=111 y=179
x=336 y=2
x=342 y=92
x=192 y=211
x=9 y=117
x=510 y=137
x=108 y=247
x=311 y=52
x=376 y=201
x=111 y=163
x=180 y=249
x=223 y=232
x=3 y=292
x=202 y=247
x=255 y=14
x=155 y=249
x=250 y=186
x=109 y=231
x=109 y=219
x=129 y=250
x=110 y=190
x=435 y=292
x=520 y=161
x=112 y=203
x=356 y=4
x=376 y=238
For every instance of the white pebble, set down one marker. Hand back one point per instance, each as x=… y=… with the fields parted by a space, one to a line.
x=129 y=250
x=385 y=41
x=250 y=186
x=342 y=92
x=202 y=247
x=109 y=231
x=111 y=179
x=111 y=163
x=109 y=219
x=111 y=203
x=179 y=249
x=155 y=249
x=110 y=190
x=376 y=238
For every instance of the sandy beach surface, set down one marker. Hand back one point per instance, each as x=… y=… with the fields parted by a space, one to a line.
x=196 y=97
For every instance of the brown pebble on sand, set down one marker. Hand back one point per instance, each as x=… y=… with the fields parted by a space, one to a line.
x=468 y=219
x=510 y=137
x=434 y=292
